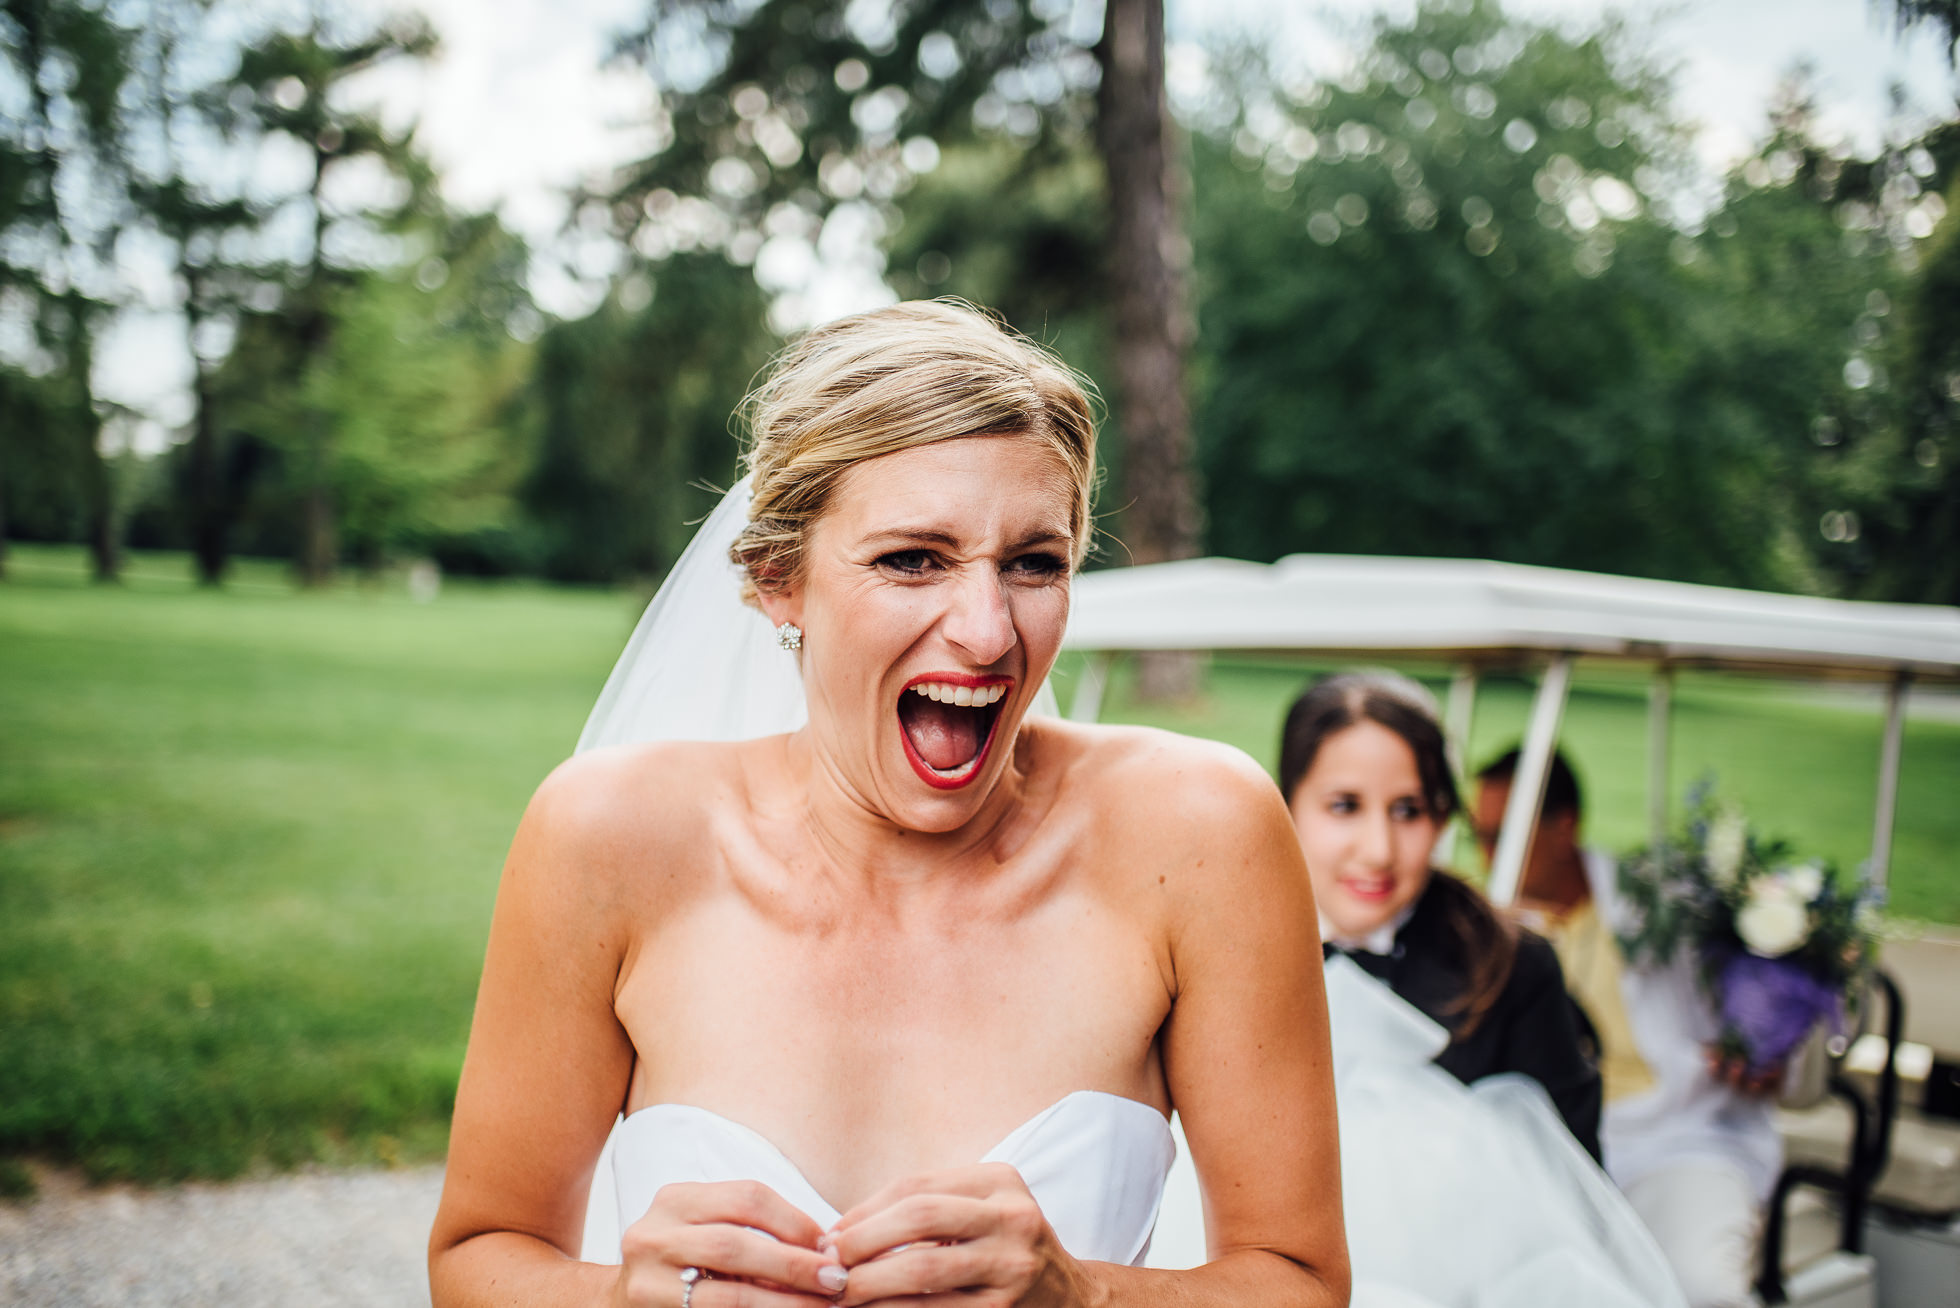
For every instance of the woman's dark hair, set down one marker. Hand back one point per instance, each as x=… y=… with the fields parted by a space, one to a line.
x=1486 y=945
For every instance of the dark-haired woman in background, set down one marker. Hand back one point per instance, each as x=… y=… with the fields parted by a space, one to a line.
x=1366 y=776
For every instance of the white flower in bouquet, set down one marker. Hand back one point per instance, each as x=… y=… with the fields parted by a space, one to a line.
x=1728 y=841
x=1806 y=881
x=1773 y=920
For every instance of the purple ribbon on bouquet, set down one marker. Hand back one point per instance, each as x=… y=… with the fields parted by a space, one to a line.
x=1771 y=1004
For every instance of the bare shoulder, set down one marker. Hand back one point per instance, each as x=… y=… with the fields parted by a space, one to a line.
x=1134 y=772
x=1196 y=835
x=1178 y=810
x=627 y=819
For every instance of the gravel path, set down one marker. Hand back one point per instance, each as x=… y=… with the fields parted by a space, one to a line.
x=323 y=1238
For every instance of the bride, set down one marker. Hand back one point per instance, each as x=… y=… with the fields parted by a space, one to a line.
x=895 y=1005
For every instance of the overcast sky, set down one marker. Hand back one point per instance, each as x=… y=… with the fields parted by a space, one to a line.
x=518 y=107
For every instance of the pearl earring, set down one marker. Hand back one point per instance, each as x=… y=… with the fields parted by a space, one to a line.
x=790 y=637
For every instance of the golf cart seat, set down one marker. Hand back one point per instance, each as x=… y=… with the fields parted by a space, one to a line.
x=1920 y=1177
x=1882 y=1159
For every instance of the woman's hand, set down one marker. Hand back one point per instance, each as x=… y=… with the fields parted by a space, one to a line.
x=1734 y=1071
x=974 y=1232
x=754 y=1249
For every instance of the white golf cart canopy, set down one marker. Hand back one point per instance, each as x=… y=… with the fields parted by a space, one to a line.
x=1482 y=615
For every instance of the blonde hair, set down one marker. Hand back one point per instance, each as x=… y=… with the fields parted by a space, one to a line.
x=889 y=380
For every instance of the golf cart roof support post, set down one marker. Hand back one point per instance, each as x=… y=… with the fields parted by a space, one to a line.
x=1528 y=784
x=1660 y=711
x=1458 y=714
x=1888 y=778
x=1087 y=704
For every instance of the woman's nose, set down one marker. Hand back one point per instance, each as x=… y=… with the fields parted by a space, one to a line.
x=979 y=620
x=1376 y=842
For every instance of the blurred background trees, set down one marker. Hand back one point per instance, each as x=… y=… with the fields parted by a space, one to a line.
x=1470 y=296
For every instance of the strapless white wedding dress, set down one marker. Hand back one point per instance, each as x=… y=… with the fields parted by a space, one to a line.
x=1455 y=1197
x=1094 y=1162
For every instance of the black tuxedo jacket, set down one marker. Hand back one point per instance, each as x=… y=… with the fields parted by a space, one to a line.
x=1532 y=1028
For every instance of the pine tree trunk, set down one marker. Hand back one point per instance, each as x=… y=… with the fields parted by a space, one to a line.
x=99 y=492
x=207 y=492
x=98 y=479
x=319 y=546
x=3 y=517
x=319 y=549
x=209 y=513
x=1148 y=254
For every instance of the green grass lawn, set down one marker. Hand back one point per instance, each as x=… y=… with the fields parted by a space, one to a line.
x=249 y=843
x=249 y=840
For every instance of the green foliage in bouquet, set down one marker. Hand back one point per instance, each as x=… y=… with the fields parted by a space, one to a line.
x=1779 y=943
x=1722 y=888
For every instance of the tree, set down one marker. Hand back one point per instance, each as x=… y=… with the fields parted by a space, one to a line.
x=63 y=64
x=1446 y=310
x=775 y=115
x=1146 y=284
x=295 y=79
x=1887 y=503
x=42 y=496
x=633 y=404
x=420 y=377
x=213 y=232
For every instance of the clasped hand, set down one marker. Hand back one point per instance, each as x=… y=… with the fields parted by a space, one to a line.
x=973 y=1231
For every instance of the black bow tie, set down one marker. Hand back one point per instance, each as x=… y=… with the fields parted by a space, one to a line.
x=1375 y=965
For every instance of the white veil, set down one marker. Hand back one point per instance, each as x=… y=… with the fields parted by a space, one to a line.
x=701 y=665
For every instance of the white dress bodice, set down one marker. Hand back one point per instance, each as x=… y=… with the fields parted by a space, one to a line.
x=1094 y=1162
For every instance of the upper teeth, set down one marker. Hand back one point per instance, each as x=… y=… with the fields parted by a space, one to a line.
x=964 y=696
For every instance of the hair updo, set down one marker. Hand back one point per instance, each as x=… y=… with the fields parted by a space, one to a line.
x=889 y=380
x=1389 y=699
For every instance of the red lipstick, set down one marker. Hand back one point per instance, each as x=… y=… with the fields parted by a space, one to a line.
x=964 y=775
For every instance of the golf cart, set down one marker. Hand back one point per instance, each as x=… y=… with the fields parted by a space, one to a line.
x=1867 y=1213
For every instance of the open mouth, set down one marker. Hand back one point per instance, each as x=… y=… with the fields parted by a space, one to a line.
x=947 y=722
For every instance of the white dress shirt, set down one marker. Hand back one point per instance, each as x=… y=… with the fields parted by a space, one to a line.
x=1688 y=1116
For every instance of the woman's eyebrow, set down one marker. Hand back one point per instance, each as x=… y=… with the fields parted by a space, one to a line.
x=934 y=536
x=914 y=535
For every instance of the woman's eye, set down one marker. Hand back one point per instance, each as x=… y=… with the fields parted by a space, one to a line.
x=1038 y=565
x=1405 y=810
x=910 y=563
x=1343 y=805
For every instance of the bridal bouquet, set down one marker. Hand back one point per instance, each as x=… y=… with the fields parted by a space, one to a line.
x=1778 y=941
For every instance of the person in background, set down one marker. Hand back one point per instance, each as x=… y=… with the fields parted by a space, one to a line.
x=1691 y=1142
x=1367 y=779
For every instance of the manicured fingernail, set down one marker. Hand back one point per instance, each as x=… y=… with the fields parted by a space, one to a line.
x=832 y=1277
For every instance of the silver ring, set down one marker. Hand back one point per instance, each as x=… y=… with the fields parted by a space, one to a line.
x=689 y=1275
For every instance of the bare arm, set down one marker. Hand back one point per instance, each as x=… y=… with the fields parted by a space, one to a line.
x=1246 y=1055
x=545 y=1075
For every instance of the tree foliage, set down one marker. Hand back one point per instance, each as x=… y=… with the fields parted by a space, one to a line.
x=63 y=64
x=419 y=380
x=777 y=115
x=1445 y=310
x=1464 y=298
x=634 y=405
